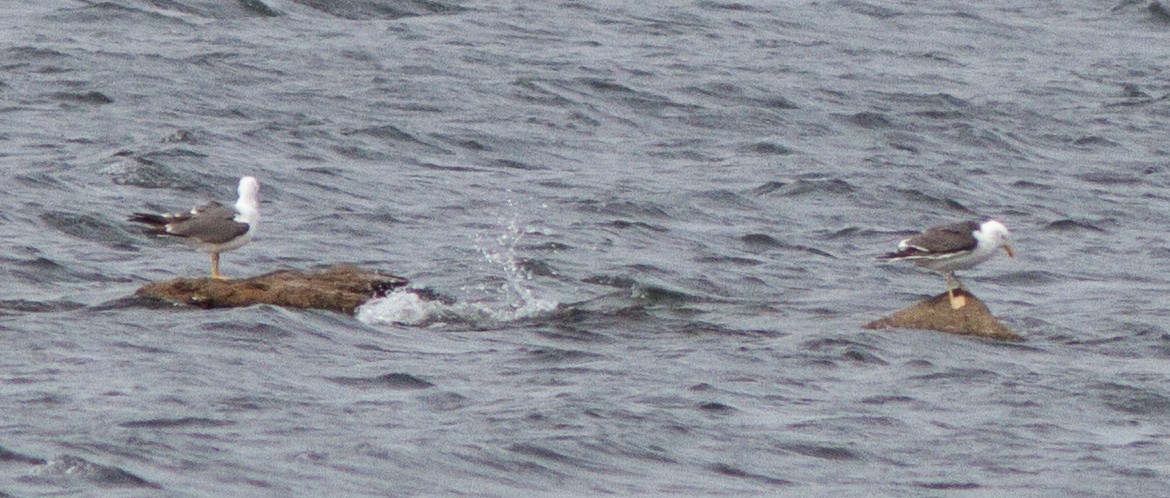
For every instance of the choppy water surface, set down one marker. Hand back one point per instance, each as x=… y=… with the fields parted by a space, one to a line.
x=653 y=226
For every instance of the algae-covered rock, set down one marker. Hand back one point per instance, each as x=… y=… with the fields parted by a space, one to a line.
x=937 y=313
x=340 y=288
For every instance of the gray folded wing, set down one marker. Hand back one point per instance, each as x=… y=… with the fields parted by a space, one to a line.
x=947 y=238
x=212 y=223
x=941 y=240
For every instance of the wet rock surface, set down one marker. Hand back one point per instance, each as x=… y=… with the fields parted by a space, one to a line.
x=340 y=288
x=936 y=313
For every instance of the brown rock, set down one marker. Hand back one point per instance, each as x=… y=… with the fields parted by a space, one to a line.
x=340 y=288
x=936 y=313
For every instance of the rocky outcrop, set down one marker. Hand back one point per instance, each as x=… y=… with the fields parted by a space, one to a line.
x=937 y=313
x=340 y=288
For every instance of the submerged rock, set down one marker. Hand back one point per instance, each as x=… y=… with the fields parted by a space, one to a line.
x=340 y=288
x=936 y=313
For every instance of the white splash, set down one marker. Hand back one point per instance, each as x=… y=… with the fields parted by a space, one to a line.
x=404 y=308
x=515 y=298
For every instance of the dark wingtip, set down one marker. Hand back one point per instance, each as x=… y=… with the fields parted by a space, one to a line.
x=896 y=255
x=147 y=218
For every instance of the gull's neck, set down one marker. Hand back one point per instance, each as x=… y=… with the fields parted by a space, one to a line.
x=248 y=203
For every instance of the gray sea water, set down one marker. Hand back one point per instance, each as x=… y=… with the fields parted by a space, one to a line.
x=655 y=225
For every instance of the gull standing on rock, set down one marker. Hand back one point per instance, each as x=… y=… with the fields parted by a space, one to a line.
x=212 y=228
x=957 y=246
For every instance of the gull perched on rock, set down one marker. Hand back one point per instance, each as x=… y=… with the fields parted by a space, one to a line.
x=956 y=246
x=213 y=227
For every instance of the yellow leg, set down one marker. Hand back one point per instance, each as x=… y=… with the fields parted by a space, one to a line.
x=960 y=301
x=215 y=267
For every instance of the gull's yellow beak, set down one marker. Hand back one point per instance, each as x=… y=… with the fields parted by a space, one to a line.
x=1008 y=248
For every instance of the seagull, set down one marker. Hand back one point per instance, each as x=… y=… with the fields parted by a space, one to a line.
x=956 y=246
x=213 y=227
